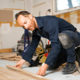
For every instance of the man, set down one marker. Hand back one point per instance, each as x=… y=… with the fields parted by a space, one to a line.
x=58 y=31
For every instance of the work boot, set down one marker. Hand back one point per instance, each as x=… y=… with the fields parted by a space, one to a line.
x=69 y=68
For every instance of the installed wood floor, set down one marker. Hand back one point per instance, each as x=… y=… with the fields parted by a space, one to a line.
x=11 y=73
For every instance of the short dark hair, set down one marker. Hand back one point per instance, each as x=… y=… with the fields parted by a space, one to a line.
x=24 y=13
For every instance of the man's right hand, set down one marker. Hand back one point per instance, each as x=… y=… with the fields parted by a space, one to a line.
x=20 y=63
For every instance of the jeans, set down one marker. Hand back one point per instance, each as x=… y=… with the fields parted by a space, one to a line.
x=74 y=39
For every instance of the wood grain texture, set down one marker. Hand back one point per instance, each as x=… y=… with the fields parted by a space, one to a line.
x=10 y=56
x=12 y=73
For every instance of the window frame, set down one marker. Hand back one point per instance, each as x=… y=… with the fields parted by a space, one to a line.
x=55 y=12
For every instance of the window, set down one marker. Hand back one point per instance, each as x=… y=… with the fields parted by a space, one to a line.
x=66 y=4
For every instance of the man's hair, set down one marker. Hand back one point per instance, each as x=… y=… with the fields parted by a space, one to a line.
x=24 y=13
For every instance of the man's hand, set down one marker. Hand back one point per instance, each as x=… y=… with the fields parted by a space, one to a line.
x=20 y=63
x=42 y=69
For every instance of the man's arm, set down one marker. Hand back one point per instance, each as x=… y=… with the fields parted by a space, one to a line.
x=29 y=51
x=55 y=48
x=52 y=29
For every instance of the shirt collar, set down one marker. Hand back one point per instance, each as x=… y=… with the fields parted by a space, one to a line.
x=39 y=22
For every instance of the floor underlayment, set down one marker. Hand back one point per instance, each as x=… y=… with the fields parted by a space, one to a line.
x=51 y=75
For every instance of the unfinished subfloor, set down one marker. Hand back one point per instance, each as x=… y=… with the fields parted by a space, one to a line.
x=52 y=75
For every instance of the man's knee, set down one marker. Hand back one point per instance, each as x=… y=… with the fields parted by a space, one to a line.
x=65 y=40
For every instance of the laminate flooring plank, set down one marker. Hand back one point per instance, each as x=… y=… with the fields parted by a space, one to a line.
x=31 y=75
x=12 y=73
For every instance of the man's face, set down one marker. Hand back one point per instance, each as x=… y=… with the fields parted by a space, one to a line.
x=26 y=22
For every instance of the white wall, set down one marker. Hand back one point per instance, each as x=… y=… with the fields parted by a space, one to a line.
x=28 y=5
x=9 y=35
x=40 y=7
x=18 y=4
x=77 y=26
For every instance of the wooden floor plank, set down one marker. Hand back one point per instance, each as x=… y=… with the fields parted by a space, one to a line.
x=12 y=73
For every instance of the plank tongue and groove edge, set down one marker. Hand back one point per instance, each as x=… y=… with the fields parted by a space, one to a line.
x=34 y=76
